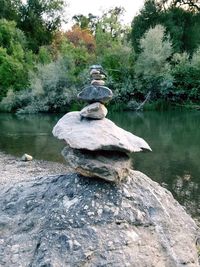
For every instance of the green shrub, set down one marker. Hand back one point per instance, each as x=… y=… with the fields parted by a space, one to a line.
x=152 y=69
x=186 y=85
x=51 y=89
x=14 y=63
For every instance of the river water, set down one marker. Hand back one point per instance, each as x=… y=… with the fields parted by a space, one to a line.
x=173 y=136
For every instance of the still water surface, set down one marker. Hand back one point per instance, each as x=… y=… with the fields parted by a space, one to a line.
x=173 y=136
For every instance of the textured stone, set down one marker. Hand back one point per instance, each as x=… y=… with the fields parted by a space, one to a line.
x=94 y=71
x=102 y=134
x=26 y=157
x=93 y=94
x=94 y=111
x=98 y=82
x=111 y=166
x=96 y=67
x=96 y=76
x=69 y=220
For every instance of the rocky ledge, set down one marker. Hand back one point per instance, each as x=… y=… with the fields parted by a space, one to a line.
x=70 y=220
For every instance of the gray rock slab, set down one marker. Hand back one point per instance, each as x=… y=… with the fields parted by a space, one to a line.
x=69 y=220
x=94 y=111
x=102 y=134
x=93 y=94
x=110 y=166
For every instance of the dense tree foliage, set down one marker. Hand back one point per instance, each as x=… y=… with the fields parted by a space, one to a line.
x=152 y=69
x=186 y=86
x=14 y=62
x=86 y=22
x=42 y=67
x=182 y=24
x=10 y=9
x=173 y=77
x=149 y=17
x=39 y=19
x=78 y=36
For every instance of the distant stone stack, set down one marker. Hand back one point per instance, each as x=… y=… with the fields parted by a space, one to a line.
x=96 y=147
x=96 y=95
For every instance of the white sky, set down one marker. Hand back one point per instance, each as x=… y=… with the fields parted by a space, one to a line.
x=96 y=7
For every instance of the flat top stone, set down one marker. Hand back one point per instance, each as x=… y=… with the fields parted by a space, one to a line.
x=81 y=133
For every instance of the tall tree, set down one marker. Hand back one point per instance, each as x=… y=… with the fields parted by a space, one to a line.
x=149 y=16
x=112 y=48
x=110 y=22
x=86 y=22
x=182 y=24
x=152 y=68
x=39 y=19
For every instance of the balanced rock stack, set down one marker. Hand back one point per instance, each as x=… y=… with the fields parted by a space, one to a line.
x=96 y=147
x=96 y=94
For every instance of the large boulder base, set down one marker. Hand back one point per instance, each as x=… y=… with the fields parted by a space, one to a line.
x=74 y=221
x=82 y=133
x=110 y=166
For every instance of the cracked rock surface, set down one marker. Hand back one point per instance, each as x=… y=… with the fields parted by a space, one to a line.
x=70 y=220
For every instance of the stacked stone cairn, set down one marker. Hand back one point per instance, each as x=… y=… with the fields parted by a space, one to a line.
x=96 y=147
x=96 y=95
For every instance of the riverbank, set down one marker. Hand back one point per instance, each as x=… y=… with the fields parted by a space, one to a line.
x=13 y=169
